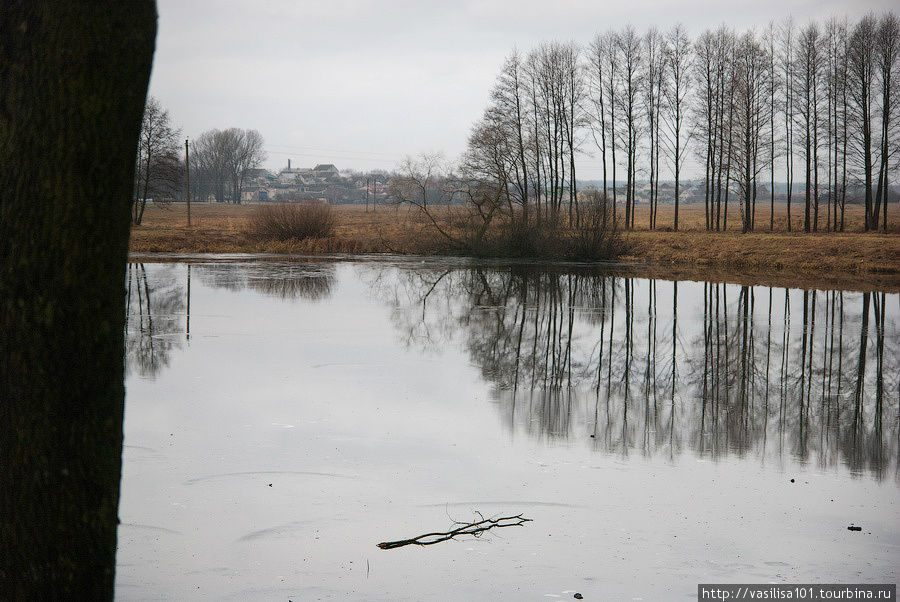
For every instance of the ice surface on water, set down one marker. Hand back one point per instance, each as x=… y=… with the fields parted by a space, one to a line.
x=419 y=393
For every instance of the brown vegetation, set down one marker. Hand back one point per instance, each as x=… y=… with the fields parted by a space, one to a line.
x=692 y=252
x=292 y=221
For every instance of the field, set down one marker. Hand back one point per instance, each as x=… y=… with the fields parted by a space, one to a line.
x=852 y=259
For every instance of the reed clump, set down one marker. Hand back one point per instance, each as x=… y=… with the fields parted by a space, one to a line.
x=292 y=221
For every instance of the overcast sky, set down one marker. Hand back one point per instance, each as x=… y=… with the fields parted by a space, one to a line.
x=362 y=83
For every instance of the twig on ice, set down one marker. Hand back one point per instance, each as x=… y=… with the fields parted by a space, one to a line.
x=475 y=529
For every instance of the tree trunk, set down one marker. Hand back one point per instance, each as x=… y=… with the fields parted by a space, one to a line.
x=677 y=179
x=789 y=134
x=74 y=84
x=808 y=159
x=815 y=151
x=867 y=153
x=142 y=201
x=612 y=126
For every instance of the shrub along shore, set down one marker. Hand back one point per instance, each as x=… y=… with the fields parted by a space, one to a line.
x=852 y=259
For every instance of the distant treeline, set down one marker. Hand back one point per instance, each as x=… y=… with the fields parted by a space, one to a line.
x=220 y=161
x=820 y=99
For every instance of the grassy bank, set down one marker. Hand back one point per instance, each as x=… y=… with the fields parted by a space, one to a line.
x=853 y=257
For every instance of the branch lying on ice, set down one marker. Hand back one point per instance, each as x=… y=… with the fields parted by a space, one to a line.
x=475 y=529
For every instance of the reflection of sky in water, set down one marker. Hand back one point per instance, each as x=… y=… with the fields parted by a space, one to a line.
x=378 y=398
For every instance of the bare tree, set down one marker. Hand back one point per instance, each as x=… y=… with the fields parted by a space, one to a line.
x=424 y=183
x=861 y=79
x=888 y=40
x=786 y=55
x=704 y=113
x=558 y=91
x=491 y=158
x=806 y=76
x=221 y=159
x=573 y=96
x=631 y=76
x=652 y=80
x=769 y=41
x=727 y=48
x=208 y=167
x=842 y=119
x=677 y=74
x=532 y=74
x=545 y=64
x=248 y=154
x=834 y=74
x=830 y=86
x=510 y=111
x=612 y=87
x=158 y=168
x=597 y=64
x=751 y=117
x=713 y=121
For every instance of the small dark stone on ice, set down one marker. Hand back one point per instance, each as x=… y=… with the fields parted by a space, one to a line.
x=792 y=480
x=578 y=596
x=270 y=484
x=852 y=528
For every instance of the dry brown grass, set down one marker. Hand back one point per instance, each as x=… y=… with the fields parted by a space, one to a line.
x=872 y=257
x=221 y=228
x=692 y=217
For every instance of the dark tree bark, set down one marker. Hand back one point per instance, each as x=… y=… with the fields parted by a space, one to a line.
x=73 y=81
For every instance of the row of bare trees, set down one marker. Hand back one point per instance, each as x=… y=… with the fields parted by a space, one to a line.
x=746 y=106
x=220 y=161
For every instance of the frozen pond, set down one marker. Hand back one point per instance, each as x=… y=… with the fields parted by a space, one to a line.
x=284 y=418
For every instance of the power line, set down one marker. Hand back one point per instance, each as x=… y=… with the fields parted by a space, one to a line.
x=320 y=156
x=337 y=150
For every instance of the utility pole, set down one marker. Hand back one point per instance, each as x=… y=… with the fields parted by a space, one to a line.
x=367 y=195
x=187 y=179
x=187 y=326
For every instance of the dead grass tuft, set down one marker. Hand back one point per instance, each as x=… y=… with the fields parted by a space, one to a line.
x=292 y=221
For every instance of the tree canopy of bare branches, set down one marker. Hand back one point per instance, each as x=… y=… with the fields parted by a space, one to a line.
x=220 y=160
x=158 y=167
x=745 y=106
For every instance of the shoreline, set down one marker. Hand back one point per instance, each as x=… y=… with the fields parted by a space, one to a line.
x=852 y=261
x=781 y=278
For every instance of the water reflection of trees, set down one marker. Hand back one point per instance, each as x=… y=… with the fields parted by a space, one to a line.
x=738 y=370
x=158 y=301
x=155 y=314
x=309 y=281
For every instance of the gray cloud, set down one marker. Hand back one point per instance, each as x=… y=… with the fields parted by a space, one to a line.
x=360 y=83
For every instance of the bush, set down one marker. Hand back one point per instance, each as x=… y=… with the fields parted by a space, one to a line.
x=518 y=238
x=593 y=237
x=286 y=221
x=596 y=235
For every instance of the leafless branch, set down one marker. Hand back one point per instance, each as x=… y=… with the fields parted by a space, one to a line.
x=474 y=528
